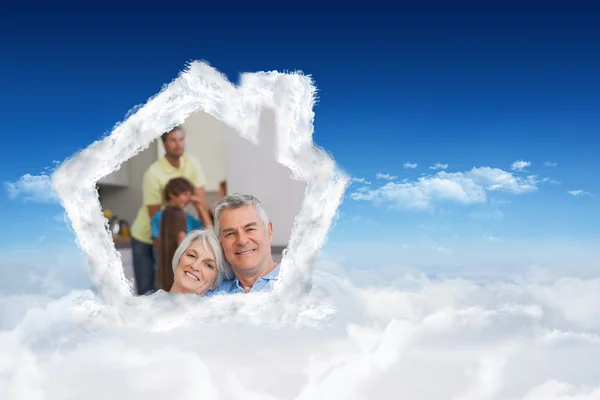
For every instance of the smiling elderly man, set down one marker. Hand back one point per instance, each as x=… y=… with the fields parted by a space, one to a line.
x=245 y=233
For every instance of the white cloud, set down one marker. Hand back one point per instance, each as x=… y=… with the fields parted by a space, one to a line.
x=361 y=180
x=550 y=164
x=395 y=331
x=520 y=165
x=363 y=189
x=439 y=166
x=34 y=188
x=386 y=177
x=469 y=187
x=43 y=269
x=409 y=165
x=578 y=193
x=550 y=180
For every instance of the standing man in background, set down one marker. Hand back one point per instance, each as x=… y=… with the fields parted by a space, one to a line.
x=174 y=164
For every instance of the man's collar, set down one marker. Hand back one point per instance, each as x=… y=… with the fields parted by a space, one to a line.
x=273 y=275
x=167 y=164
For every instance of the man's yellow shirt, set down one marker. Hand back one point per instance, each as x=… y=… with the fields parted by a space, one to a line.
x=155 y=179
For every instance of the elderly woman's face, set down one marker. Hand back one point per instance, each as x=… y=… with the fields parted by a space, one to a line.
x=197 y=269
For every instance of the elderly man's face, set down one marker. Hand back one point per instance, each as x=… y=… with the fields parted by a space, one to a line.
x=197 y=269
x=245 y=239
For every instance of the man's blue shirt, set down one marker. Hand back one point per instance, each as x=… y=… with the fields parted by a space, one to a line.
x=233 y=286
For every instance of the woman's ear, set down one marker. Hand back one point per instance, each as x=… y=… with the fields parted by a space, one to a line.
x=180 y=237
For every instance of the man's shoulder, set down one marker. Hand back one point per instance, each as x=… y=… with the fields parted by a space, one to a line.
x=274 y=273
x=225 y=287
x=154 y=169
x=156 y=164
x=193 y=162
x=190 y=157
x=193 y=170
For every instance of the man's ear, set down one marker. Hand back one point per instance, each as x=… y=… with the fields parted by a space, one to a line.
x=270 y=230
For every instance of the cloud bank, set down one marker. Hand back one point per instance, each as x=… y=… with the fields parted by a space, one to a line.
x=386 y=177
x=395 y=332
x=520 y=165
x=382 y=333
x=439 y=166
x=32 y=188
x=360 y=180
x=550 y=180
x=469 y=187
x=579 y=192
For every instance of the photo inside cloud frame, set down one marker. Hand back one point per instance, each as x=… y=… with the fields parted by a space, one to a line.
x=207 y=190
x=161 y=207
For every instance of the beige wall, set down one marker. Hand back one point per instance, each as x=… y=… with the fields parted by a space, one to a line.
x=246 y=167
x=253 y=169
x=121 y=192
x=205 y=139
x=126 y=201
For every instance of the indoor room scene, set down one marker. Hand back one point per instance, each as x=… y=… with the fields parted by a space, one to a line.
x=229 y=164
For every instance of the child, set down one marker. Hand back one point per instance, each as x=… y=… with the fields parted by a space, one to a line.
x=166 y=224
x=179 y=192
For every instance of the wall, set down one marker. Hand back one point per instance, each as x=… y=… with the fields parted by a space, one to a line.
x=246 y=167
x=205 y=139
x=126 y=201
x=119 y=177
x=253 y=170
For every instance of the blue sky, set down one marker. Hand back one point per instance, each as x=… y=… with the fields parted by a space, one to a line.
x=469 y=88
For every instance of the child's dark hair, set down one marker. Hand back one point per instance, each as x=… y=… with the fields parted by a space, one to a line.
x=177 y=186
x=173 y=221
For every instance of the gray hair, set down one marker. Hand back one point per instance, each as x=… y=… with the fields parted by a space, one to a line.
x=237 y=200
x=208 y=238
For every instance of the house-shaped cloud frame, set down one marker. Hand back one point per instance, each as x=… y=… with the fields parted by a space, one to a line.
x=290 y=95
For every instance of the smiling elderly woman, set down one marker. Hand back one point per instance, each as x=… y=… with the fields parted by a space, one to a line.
x=199 y=264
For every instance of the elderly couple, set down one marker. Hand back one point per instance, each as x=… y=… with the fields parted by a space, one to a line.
x=235 y=257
